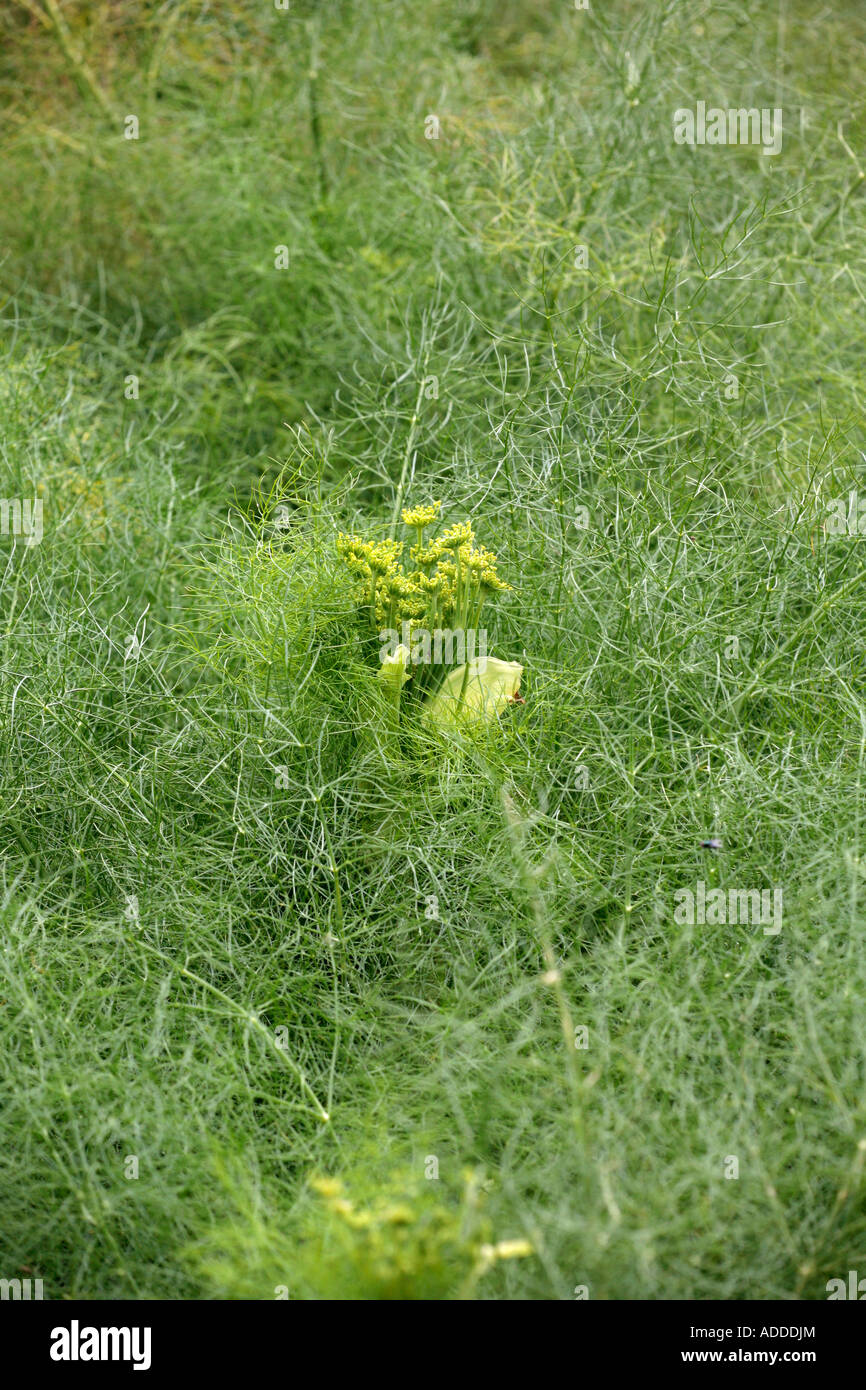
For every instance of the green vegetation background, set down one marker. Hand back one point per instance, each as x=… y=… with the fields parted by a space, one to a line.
x=217 y=918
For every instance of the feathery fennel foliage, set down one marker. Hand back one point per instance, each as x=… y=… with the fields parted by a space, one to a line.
x=252 y=934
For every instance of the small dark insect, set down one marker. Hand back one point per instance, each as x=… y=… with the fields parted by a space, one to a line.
x=711 y=844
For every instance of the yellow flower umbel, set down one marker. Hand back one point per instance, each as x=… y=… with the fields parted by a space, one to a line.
x=372 y=562
x=420 y=516
x=396 y=1240
x=449 y=586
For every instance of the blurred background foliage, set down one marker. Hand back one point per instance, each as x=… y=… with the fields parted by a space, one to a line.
x=434 y=309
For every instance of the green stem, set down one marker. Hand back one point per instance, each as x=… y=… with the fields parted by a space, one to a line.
x=315 y=122
x=84 y=77
x=239 y=1011
x=410 y=442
